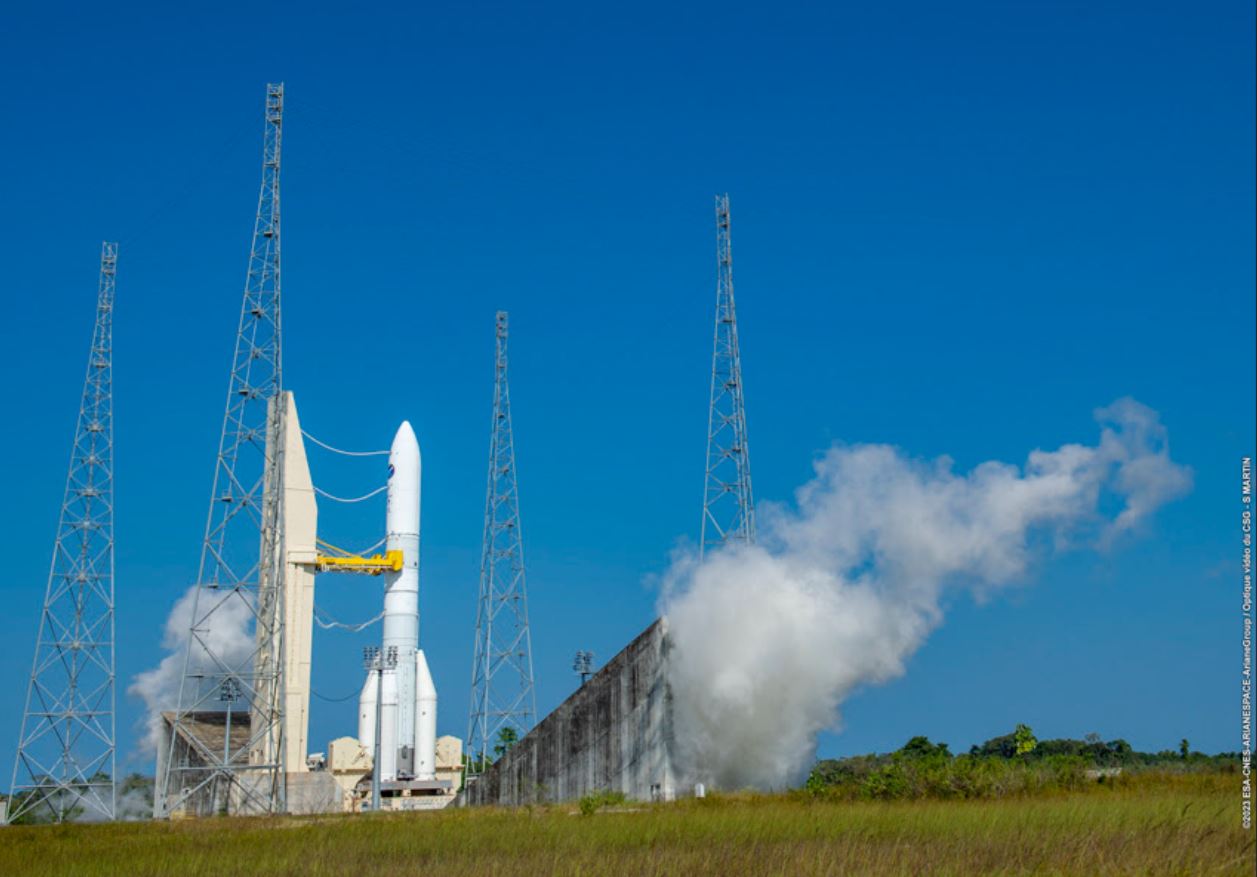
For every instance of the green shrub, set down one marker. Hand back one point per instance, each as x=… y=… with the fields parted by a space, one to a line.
x=905 y=777
x=594 y=801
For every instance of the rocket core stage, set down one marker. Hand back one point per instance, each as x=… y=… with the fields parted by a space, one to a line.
x=407 y=695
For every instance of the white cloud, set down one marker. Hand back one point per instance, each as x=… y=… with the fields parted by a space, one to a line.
x=846 y=584
x=226 y=632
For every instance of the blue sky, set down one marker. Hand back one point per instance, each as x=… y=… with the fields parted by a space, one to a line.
x=956 y=230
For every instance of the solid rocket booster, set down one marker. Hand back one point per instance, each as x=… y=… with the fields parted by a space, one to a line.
x=407 y=695
x=425 y=720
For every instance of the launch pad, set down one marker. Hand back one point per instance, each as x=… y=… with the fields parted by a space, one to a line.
x=259 y=557
x=212 y=753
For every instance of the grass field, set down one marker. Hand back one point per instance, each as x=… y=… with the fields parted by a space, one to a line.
x=1153 y=824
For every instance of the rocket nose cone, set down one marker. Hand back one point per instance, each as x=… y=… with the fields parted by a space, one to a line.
x=405 y=438
x=425 y=688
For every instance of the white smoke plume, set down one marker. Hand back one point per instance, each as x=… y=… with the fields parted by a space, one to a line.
x=845 y=584
x=227 y=634
x=134 y=804
x=131 y=805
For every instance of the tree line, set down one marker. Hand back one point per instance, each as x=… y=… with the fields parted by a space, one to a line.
x=1010 y=764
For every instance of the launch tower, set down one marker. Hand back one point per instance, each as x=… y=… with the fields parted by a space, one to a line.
x=242 y=556
x=65 y=757
x=503 y=703
x=728 y=506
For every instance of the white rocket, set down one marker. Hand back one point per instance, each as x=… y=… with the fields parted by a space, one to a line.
x=407 y=694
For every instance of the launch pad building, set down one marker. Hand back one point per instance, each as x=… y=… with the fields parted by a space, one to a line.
x=614 y=733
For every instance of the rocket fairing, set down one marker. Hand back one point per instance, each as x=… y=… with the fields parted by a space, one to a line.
x=406 y=693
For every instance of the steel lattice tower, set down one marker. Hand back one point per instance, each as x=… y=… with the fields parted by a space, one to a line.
x=65 y=757
x=502 y=694
x=241 y=556
x=728 y=505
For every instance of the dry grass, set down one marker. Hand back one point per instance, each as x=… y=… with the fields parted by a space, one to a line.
x=1152 y=824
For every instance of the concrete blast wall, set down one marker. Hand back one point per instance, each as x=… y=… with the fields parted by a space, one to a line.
x=614 y=733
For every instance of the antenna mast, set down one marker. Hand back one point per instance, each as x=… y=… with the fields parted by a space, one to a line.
x=65 y=764
x=241 y=564
x=502 y=695
x=728 y=506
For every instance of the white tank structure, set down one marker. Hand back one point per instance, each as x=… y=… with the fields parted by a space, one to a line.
x=407 y=694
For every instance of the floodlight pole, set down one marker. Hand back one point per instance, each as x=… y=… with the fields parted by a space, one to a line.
x=584 y=666
x=228 y=696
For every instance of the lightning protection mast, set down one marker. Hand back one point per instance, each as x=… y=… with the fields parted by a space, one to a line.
x=503 y=704
x=728 y=506
x=64 y=767
x=203 y=766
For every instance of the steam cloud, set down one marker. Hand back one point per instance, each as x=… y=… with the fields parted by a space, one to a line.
x=845 y=585
x=228 y=637
x=131 y=805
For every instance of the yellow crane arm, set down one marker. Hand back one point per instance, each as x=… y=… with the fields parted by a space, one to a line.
x=340 y=560
x=389 y=561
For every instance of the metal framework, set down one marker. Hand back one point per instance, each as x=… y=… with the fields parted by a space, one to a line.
x=728 y=505
x=65 y=764
x=242 y=554
x=502 y=693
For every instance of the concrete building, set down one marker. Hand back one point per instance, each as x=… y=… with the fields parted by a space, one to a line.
x=201 y=733
x=614 y=733
x=339 y=782
x=300 y=528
